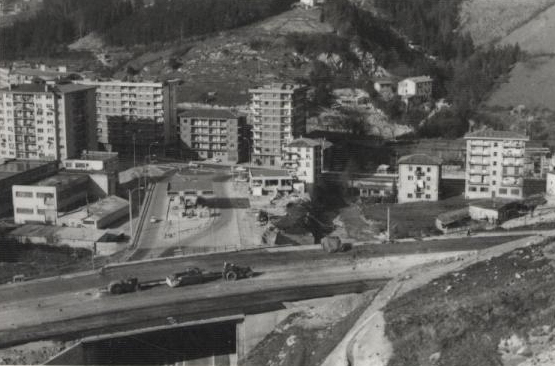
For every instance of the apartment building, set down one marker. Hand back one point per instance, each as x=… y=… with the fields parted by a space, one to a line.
x=495 y=162
x=215 y=133
x=417 y=87
x=47 y=122
x=303 y=158
x=278 y=116
x=125 y=101
x=419 y=178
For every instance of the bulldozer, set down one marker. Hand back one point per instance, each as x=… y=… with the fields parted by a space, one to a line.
x=190 y=276
x=233 y=272
x=124 y=286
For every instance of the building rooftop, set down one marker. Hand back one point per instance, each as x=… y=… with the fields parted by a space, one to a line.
x=106 y=206
x=450 y=217
x=350 y=92
x=63 y=180
x=46 y=88
x=420 y=79
x=208 y=113
x=419 y=159
x=304 y=142
x=278 y=86
x=492 y=204
x=14 y=167
x=70 y=88
x=265 y=173
x=495 y=135
x=97 y=155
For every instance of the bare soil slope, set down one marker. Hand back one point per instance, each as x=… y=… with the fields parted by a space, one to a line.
x=536 y=36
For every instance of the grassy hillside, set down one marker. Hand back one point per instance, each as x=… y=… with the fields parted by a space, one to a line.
x=491 y=20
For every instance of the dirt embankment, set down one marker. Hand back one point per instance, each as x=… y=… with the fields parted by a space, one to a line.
x=499 y=311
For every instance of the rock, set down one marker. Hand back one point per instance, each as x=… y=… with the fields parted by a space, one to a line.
x=518 y=276
x=434 y=357
x=448 y=289
x=525 y=351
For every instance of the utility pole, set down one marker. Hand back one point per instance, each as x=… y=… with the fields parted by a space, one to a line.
x=130 y=214
x=388 y=226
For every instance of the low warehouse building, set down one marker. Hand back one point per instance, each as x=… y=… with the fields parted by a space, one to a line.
x=496 y=211
x=263 y=181
x=98 y=215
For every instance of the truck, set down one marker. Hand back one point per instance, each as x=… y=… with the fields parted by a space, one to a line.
x=233 y=272
x=190 y=276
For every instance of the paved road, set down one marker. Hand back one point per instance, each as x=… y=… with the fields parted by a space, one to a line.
x=221 y=235
x=262 y=260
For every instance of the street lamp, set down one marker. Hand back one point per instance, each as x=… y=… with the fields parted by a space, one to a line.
x=130 y=193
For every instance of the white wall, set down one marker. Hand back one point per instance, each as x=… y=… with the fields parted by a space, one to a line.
x=428 y=183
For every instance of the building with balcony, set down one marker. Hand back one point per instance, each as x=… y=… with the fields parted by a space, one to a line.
x=46 y=122
x=278 y=115
x=45 y=201
x=415 y=88
x=419 y=178
x=215 y=133
x=495 y=162
x=130 y=102
x=303 y=158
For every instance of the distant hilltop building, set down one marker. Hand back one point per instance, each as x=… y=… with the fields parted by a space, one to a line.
x=351 y=97
x=311 y=3
x=495 y=162
x=47 y=122
x=278 y=114
x=419 y=178
x=121 y=103
x=417 y=88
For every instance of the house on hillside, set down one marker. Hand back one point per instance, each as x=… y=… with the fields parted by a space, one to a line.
x=311 y=3
x=415 y=89
x=419 y=178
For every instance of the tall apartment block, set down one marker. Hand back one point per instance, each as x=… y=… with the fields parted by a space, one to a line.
x=214 y=133
x=148 y=102
x=278 y=116
x=47 y=122
x=494 y=164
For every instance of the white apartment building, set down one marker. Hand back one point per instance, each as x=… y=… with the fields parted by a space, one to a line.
x=278 y=115
x=419 y=87
x=419 y=178
x=46 y=122
x=495 y=164
x=303 y=157
x=135 y=101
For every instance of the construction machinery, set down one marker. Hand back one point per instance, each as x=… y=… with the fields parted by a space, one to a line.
x=333 y=244
x=190 y=276
x=233 y=272
x=124 y=286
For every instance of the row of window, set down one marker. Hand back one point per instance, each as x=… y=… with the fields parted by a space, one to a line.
x=27 y=194
x=419 y=195
x=29 y=211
